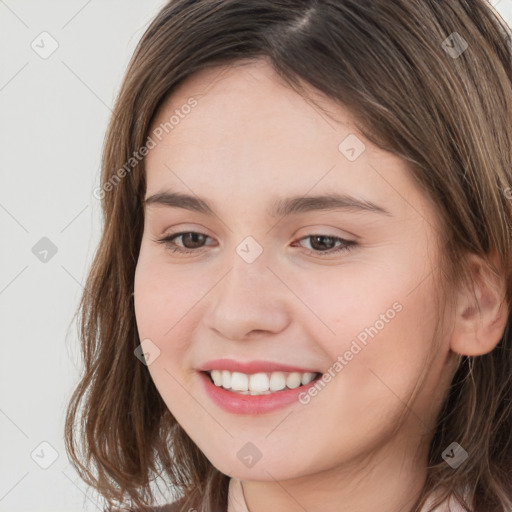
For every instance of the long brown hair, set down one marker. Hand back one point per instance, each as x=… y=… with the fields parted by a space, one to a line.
x=392 y=63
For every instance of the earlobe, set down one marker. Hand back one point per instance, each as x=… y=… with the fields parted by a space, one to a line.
x=480 y=323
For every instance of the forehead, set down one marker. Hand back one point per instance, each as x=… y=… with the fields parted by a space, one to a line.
x=251 y=135
x=248 y=93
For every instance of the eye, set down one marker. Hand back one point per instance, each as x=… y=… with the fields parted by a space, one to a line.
x=319 y=243
x=193 y=242
x=192 y=238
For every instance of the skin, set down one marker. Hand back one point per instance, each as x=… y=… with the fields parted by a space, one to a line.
x=249 y=141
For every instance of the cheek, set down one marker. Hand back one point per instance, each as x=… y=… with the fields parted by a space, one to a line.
x=164 y=294
x=377 y=354
x=168 y=301
x=164 y=311
x=373 y=325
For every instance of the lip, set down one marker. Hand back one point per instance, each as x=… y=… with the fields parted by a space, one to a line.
x=250 y=367
x=238 y=403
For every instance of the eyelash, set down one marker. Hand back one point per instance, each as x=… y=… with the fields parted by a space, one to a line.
x=346 y=245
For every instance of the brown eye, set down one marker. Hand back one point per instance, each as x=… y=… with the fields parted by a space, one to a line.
x=191 y=240
x=326 y=244
x=321 y=243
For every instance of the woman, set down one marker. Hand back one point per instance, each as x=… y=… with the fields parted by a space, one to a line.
x=301 y=298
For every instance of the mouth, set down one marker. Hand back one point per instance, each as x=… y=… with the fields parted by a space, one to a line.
x=261 y=383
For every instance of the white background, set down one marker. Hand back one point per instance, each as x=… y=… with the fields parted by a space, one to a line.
x=53 y=116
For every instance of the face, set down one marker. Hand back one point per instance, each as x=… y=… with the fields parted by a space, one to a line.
x=343 y=292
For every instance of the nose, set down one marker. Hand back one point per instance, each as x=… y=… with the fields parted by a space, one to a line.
x=249 y=299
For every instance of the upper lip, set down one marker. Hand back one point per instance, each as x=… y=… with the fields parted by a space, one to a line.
x=250 y=367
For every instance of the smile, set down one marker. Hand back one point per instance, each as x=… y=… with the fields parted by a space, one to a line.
x=260 y=383
x=261 y=399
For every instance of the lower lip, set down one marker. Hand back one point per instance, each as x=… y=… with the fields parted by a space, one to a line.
x=239 y=403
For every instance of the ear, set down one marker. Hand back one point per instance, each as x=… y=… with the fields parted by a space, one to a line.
x=479 y=325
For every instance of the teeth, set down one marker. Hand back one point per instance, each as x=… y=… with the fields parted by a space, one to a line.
x=307 y=378
x=217 y=377
x=239 y=381
x=277 y=381
x=226 y=379
x=260 y=383
x=293 y=380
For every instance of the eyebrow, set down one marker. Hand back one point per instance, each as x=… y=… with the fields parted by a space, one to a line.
x=280 y=208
